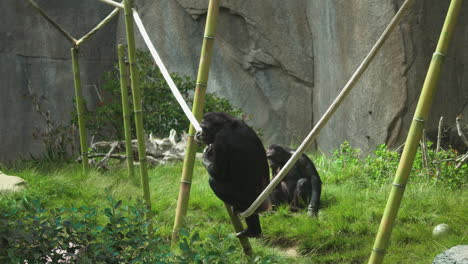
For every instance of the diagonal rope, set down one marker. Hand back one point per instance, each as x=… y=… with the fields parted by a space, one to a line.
x=330 y=111
x=165 y=73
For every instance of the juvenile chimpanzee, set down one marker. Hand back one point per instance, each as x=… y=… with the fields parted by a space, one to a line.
x=236 y=161
x=302 y=184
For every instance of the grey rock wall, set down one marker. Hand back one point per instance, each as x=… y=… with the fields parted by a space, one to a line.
x=262 y=59
x=34 y=54
x=281 y=61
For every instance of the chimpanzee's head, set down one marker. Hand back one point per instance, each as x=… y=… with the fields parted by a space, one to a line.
x=211 y=124
x=277 y=155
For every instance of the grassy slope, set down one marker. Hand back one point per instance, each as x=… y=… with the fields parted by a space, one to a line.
x=343 y=233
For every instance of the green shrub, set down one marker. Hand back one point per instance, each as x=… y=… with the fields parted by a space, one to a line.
x=381 y=166
x=161 y=112
x=346 y=155
x=116 y=234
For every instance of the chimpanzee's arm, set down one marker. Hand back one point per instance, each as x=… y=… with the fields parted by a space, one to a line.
x=216 y=158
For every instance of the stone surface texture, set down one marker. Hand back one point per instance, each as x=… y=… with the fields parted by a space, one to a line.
x=284 y=62
x=11 y=183
x=454 y=255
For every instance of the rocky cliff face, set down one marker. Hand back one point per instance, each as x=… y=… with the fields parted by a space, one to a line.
x=282 y=61
x=34 y=55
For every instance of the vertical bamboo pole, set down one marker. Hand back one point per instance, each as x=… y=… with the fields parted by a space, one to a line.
x=198 y=104
x=137 y=109
x=236 y=222
x=126 y=111
x=414 y=135
x=80 y=109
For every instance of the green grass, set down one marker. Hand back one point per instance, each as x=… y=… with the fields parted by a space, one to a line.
x=344 y=232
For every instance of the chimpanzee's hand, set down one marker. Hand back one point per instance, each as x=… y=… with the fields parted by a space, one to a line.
x=208 y=154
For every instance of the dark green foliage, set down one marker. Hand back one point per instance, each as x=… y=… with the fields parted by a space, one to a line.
x=116 y=234
x=161 y=111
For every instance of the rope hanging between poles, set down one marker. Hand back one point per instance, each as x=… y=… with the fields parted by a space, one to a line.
x=165 y=73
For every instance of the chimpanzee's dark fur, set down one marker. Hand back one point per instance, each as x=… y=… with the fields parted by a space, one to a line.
x=301 y=186
x=236 y=161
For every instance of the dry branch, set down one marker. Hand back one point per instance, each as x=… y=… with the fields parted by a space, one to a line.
x=439 y=133
x=424 y=149
x=111 y=151
x=439 y=139
x=462 y=160
x=158 y=151
x=460 y=131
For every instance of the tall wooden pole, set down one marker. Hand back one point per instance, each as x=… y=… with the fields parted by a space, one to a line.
x=126 y=111
x=199 y=102
x=137 y=109
x=80 y=109
x=414 y=135
x=237 y=224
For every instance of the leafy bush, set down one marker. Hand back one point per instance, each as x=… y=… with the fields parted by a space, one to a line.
x=346 y=155
x=117 y=234
x=382 y=165
x=32 y=233
x=161 y=112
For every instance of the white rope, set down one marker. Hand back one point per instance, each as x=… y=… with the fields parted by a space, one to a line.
x=165 y=73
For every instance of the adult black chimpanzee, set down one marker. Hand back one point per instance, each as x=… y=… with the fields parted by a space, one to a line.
x=302 y=184
x=236 y=161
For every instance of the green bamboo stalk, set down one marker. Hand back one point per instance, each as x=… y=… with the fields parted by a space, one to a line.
x=236 y=222
x=138 y=112
x=414 y=135
x=198 y=104
x=101 y=24
x=80 y=109
x=126 y=110
x=52 y=22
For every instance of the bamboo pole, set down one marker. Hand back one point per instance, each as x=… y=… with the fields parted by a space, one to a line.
x=330 y=111
x=414 y=135
x=101 y=24
x=80 y=109
x=52 y=22
x=138 y=112
x=126 y=111
x=198 y=104
x=112 y=3
x=237 y=224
